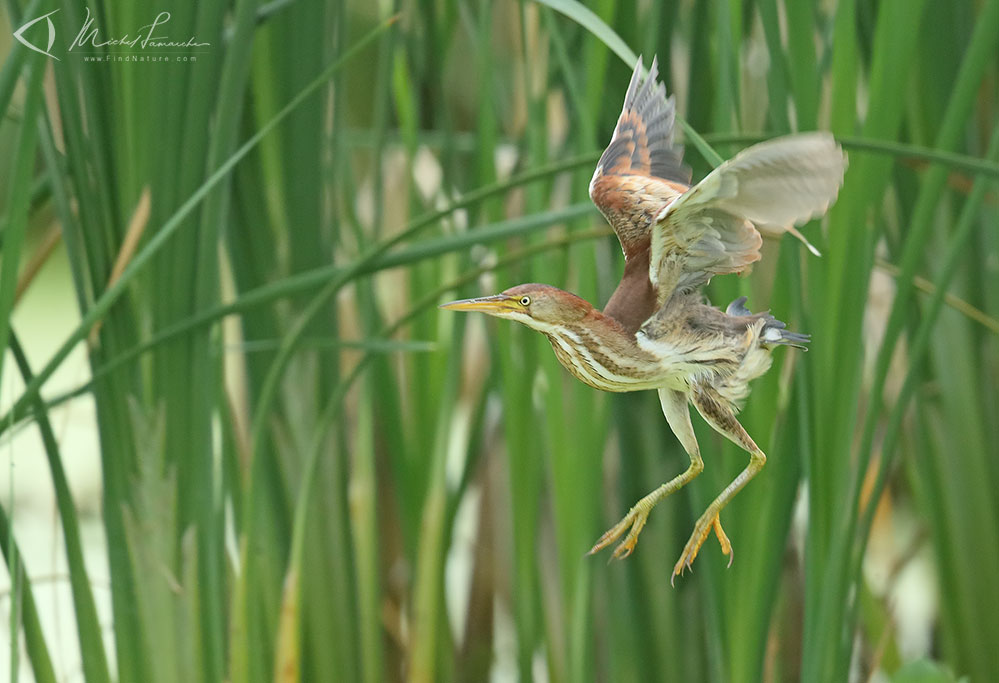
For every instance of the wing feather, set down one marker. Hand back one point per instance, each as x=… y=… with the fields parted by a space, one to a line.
x=642 y=143
x=712 y=228
x=642 y=168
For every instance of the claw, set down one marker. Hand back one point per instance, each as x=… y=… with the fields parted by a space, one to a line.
x=622 y=551
x=680 y=567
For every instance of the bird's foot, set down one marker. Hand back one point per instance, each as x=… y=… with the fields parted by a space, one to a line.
x=708 y=521
x=635 y=519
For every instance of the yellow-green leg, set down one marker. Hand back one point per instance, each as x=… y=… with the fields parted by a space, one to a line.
x=675 y=409
x=716 y=413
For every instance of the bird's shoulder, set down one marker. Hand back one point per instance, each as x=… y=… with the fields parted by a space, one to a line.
x=631 y=202
x=634 y=194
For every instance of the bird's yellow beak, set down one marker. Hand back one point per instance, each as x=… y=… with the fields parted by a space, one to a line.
x=497 y=304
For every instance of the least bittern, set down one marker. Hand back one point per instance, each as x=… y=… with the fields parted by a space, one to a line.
x=656 y=332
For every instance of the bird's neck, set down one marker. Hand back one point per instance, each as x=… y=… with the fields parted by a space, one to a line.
x=634 y=300
x=600 y=352
x=593 y=325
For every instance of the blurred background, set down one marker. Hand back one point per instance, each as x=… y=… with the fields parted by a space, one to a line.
x=239 y=442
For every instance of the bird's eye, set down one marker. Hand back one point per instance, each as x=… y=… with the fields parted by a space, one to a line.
x=525 y=301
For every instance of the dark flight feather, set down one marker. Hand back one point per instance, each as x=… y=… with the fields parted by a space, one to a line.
x=643 y=139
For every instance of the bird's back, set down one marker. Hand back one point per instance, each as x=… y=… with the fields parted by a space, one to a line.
x=725 y=349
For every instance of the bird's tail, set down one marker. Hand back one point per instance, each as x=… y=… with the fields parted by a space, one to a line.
x=774 y=331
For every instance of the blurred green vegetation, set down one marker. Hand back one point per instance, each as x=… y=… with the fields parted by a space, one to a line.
x=310 y=473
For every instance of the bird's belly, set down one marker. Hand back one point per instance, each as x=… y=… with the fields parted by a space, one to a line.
x=653 y=365
x=678 y=367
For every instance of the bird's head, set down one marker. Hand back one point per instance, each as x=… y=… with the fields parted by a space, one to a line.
x=540 y=307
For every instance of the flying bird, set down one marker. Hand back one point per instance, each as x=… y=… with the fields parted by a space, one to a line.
x=656 y=331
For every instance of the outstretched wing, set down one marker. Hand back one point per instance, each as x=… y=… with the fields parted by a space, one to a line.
x=711 y=229
x=642 y=169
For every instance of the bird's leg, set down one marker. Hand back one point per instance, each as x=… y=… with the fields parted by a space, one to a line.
x=674 y=405
x=716 y=413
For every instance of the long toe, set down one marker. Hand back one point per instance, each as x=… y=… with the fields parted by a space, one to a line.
x=611 y=535
x=726 y=545
x=631 y=540
x=601 y=543
x=701 y=530
x=634 y=520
